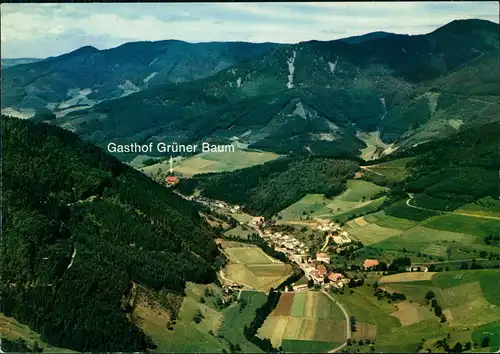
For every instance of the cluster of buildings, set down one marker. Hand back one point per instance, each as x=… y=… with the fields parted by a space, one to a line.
x=341 y=238
x=293 y=248
x=328 y=227
x=319 y=274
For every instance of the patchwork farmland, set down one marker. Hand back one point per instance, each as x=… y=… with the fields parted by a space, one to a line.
x=305 y=321
x=356 y=199
x=469 y=299
x=250 y=266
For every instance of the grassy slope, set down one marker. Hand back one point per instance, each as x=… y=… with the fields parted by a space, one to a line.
x=342 y=206
x=213 y=162
x=393 y=337
x=227 y=324
x=11 y=329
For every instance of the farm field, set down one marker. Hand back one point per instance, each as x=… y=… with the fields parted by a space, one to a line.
x=393 y=170
x=445 y=237
x=236 y=317
x=370 y=233
x=467 y=224
x=13 y=330
x=425 y=201
x=486 y=207
x=469 y=300
x=305 y=320
x=214 y=162
x=406 y=277
x=250 y=266
x=437 y=243
x=240 y=232
x=403 y=211
x=188 y=336
x=350 y=202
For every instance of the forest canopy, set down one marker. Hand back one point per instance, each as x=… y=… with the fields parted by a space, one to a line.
x=78 y=227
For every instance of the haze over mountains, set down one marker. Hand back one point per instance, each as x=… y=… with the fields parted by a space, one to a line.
x=318 y=98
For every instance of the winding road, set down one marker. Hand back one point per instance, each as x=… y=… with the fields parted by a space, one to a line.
x=411 y=196
x=347 y=320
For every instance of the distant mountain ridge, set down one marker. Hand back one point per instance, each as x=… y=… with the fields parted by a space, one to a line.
x=314 y=97
x=8 y=62
x=318 y=97
x=88 y=75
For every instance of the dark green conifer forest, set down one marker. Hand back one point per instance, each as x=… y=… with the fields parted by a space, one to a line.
x=78 y=227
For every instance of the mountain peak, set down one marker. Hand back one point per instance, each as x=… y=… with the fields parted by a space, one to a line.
x=467 y=25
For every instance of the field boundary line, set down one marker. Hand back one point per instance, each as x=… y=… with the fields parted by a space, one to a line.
x=347 y=320
x=411 y=196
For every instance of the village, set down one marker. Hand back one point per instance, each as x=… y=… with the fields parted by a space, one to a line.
x=315 y=268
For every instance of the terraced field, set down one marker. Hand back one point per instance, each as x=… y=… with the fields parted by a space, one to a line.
x=305 y=321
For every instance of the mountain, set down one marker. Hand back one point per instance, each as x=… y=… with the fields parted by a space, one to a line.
x=88 y=75
x=320 y=97
x=79 y=230
x=446 y=170
x=366 y=37
x=269 y=188
x=8 y=62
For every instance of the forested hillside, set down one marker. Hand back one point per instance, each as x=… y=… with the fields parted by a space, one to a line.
x=266 y=189
x=316 y=96
x=88 y=75
x=462 y=168
x=78 y=228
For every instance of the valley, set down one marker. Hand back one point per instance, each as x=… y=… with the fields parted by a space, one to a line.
x=317 y=196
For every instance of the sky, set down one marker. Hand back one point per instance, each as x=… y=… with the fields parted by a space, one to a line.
x=43 y=30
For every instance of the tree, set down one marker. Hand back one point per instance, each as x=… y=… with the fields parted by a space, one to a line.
x=198 y=316
x=457 y=348
x=485 y=342
x=429 y=295
x=202 y=299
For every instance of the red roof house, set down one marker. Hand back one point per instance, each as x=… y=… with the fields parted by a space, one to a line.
x=335 y=276
x=370 y=263
x=321 y=269
x=170 y=180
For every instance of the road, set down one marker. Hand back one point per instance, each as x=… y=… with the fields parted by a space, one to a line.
x=325 y=245
x=233 y=281
x=347 y=320
x=411 y=196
